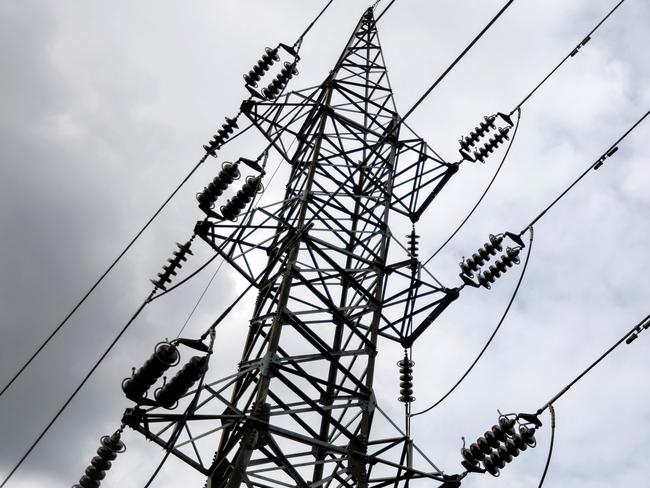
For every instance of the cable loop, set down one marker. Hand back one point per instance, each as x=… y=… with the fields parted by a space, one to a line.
x=494 y=333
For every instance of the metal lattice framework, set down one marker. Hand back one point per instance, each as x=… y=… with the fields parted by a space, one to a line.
x=331 y=281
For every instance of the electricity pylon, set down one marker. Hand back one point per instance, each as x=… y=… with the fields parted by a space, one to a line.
x=332 y=281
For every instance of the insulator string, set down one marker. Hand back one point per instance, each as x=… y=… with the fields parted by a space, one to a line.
x=205 y=290
x=483 y=195
x=174 y=436
x=494 y=333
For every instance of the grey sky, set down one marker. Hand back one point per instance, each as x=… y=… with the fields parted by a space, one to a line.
x=104 y=106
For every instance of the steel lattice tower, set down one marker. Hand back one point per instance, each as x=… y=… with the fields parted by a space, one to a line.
x=332 y=282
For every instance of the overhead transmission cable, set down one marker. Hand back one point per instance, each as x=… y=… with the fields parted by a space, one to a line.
x=494 y=333
x=517 y=110
x=593 y=166
x=575 y=51
x=457 y=60
x=629 y=337
x=74 y=393
x=383 y=12
x=101 y=278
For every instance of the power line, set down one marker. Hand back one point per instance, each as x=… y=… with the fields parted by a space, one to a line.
x=572 y=53
x=494 y=333
x=309 y=27
x=458 y=58
x=74 y=393
x=102 y=276
x=383 y=12
x=594 y=166
x=629 y=336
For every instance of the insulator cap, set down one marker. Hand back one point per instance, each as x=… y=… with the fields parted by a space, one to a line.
x=491 y=439
x=519 y=442
x=236 y=204
x=490 y=467
x=497 y=460
x=165 y=355
x=503 y=454
x=483 y=445
x=528 y=435
x=229 y=173
x=468 y=456
x=512 y=448
x=110 y=447
x=498 y=433
x=507 y=425
x=169 y=394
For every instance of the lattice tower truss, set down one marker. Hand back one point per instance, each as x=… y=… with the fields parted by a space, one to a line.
x=333 y=282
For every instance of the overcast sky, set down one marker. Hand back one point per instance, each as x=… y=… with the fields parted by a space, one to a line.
x=104 y=107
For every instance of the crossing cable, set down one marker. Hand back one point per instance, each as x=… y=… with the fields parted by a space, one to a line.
x=494 y=333
x=485 y=192
x=517 y=110
x=575 y=51
x=594 y=166
x=138 y=235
